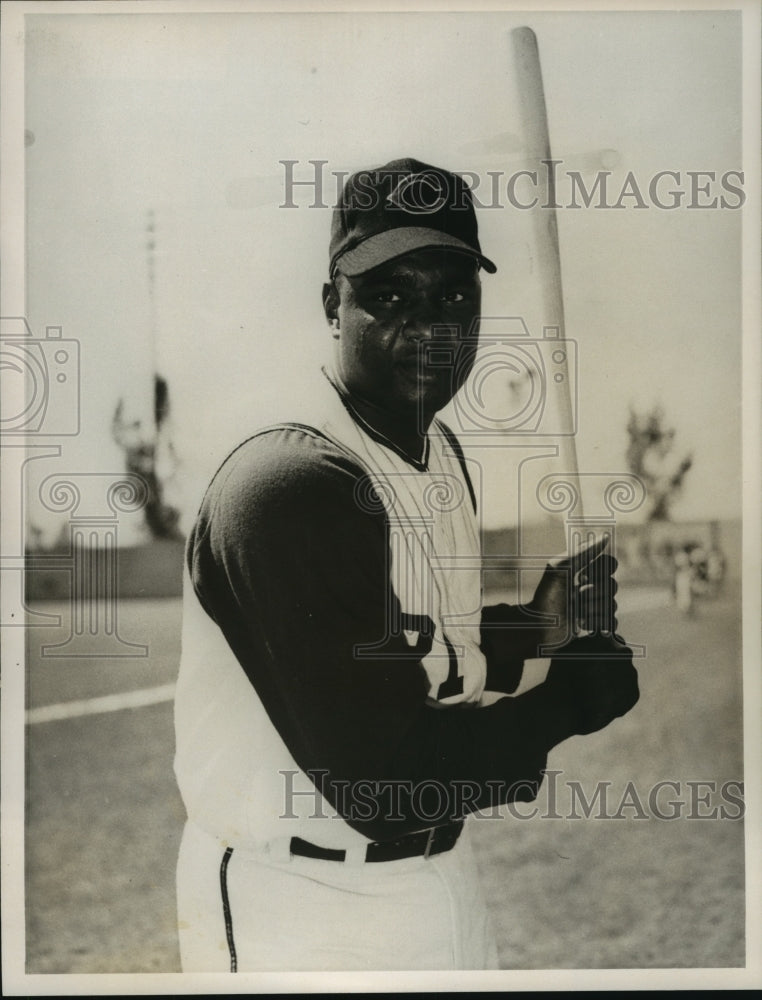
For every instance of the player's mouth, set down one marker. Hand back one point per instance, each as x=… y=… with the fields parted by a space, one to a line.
x=413 y=369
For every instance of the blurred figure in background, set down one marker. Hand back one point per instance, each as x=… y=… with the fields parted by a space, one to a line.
x=683 y=581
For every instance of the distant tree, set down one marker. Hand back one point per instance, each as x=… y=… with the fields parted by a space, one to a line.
x=35 y=538
x=62 y=542
x=649 y=456
x=162 y=519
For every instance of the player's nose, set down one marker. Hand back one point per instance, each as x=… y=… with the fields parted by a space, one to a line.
x=424 y=319
x=419 y=328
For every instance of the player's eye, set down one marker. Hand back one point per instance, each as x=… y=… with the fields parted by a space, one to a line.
x=454 y=297
x=387 y=296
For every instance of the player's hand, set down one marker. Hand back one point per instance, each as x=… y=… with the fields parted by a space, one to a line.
x=577 y=592
x=596 y=678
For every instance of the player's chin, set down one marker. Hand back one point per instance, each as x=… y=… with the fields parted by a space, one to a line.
x=430 y=389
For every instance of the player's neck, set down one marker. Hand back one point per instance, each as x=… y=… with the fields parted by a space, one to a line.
x=407 y=432
x=404 y=432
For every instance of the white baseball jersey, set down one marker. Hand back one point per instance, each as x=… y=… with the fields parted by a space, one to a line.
x=235 y=760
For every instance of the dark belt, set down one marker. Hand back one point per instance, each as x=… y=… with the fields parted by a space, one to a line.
x=423 y=843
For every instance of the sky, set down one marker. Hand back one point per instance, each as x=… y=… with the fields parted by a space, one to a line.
x=188 y=116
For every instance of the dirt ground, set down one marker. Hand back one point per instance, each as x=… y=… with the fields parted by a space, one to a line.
x=620 y=889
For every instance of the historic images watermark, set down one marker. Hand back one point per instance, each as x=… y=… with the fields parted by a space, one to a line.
x=307 y=183
x=435 y=802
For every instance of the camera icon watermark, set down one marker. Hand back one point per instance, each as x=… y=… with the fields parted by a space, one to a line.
x=510 y=387
x=40 y=381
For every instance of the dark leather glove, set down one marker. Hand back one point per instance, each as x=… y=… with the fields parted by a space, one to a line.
x=596 y=678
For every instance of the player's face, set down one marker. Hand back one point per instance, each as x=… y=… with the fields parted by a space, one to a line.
x=407 y=331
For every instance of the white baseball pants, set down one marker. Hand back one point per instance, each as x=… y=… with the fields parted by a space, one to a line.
x=251 y=911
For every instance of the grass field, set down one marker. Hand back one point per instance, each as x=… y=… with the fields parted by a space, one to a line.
x=104 y=817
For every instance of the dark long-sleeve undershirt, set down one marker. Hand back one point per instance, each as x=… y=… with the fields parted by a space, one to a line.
x=296 y=575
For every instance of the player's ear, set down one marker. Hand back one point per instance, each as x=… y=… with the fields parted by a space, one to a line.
x=331 y=306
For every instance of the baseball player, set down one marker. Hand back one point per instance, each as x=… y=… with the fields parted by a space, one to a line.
x=344 y=699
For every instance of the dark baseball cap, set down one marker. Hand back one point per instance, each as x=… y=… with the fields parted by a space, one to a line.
x=387 y=212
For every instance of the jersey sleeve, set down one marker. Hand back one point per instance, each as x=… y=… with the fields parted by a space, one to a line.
x=295 y=572
x=509 y=637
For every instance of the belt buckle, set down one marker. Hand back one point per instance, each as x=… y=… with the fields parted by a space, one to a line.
x=429 y=842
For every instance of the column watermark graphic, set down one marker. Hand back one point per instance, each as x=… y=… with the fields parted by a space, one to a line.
x=41 y=410
x=94 y=502
x=613 y=494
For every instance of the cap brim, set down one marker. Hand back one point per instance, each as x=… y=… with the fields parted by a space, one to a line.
x=383 y=247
